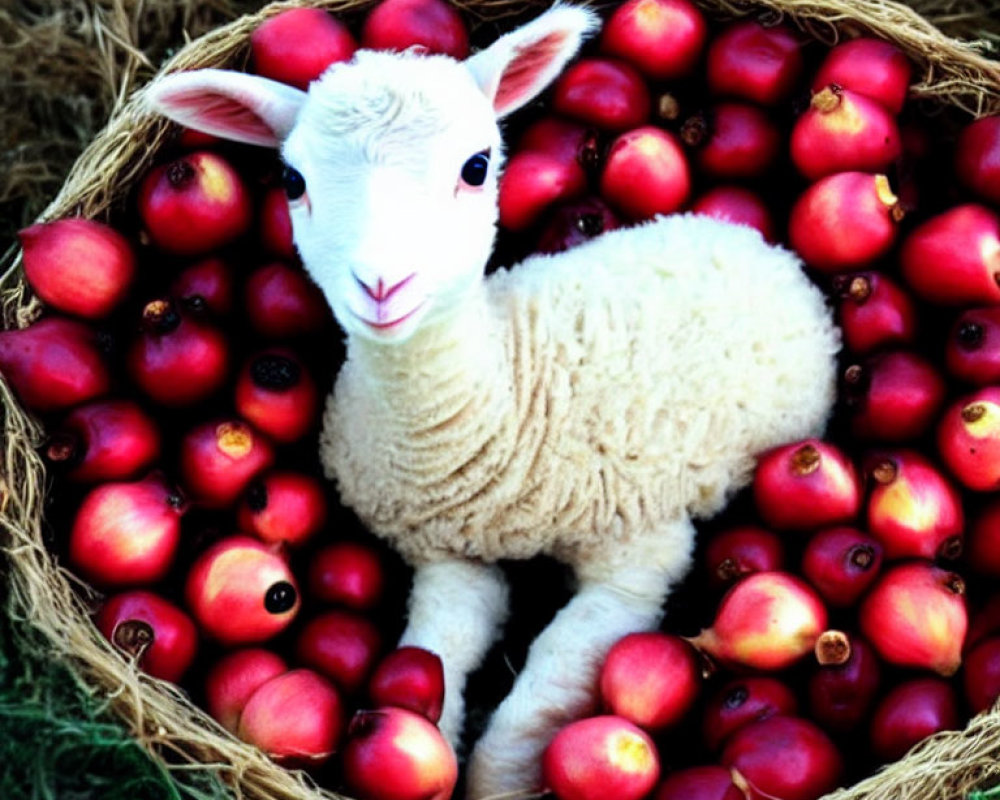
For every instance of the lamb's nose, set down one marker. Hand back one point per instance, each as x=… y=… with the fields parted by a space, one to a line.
x=381 y=291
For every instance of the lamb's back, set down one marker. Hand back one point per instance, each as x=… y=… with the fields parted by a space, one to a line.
x=670 y=354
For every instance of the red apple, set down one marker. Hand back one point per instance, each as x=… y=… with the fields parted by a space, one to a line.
x=412 y=678
x=350 y=574
x=234 y=678
x=646 y=173
x=342 y=645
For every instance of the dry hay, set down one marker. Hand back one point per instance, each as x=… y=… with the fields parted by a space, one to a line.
x=952 y=74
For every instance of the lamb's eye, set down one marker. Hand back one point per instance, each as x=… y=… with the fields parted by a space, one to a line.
x=294 y=183
x=474 y=170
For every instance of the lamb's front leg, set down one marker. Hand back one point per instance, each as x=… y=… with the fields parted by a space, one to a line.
x=618 y=594
x=457 y=610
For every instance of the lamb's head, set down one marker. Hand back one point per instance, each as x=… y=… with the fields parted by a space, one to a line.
x=392 y=162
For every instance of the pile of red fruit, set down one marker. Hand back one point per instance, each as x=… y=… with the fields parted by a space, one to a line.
x=845 y=601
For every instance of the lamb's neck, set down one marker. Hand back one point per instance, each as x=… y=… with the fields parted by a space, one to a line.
x=445 y=378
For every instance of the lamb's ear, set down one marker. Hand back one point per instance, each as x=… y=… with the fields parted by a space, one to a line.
x=520 y=64
x=233 y=105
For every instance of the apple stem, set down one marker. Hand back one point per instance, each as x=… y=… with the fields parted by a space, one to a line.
x=832 y=648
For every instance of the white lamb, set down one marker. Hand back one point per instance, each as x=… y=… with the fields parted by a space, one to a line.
x=586 y=405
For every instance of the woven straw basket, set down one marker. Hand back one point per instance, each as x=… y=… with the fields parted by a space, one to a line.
x=951 y=76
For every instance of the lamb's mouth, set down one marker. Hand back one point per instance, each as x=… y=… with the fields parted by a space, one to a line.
x=386 y=326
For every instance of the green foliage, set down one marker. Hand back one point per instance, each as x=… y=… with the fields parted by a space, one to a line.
x=57 y=741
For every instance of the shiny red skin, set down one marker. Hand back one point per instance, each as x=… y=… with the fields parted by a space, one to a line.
x=893 y=396
x=297 y=718
x=737 y=205
x=282 y=506
x=805 y=485
x=564 y=139
x=786 y=757
x=281 y=302
x=651 y=679
x=743 y=700
x=646 y=173
x=915 y=616
x=178 y=359
x=276 y=394
x=532 y=182
x=912 y=508
x=276 y=225
x=972 y=351
x=710 y=782
x=983 y=541
x=977 y=158
x=604 y=92
x=663 y=39
x=234 y=678
x=840 y=696
x=227 y=589
x=219 y=458
x=767 y=621
x=843 y=130
x=348 y=574
x=194 y=204
x=296 y=45
x=841 y=563
x=843 y=222
x=954 y=258
x=874 y=312
x=53 y=364
x=753 y=62
x=342 y=645
x=981 y=674
x=126 y=533
x=872 y=67
x=575 y=222
x=968 y=439
x=78 y=266
x=175 y=638
x=732 y=140
x=736 y=552
x=411 y=678
x=396 y=754
x=209 y=283
x=433 y=25
x=909 y=713
x=105 y=440
x=600 y=757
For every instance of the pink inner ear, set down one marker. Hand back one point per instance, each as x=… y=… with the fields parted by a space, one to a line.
x=522 y=74
x=220 y=114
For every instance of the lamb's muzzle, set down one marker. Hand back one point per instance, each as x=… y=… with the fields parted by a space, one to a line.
x=586 y=405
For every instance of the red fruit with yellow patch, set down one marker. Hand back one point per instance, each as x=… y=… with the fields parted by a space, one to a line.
x=767 y=621
x=663 y=39
x=395 y=754
x=915 y=616
x=240 y=591
x=954 y=257
x=78 y=266
x=126 y=533
x=844 y=221
x=651 y=679
x=968 y=439
x=297 y=718
x=646 y=173
x=219 y=458
x=194 y=204
x=843 y=130
x=912 y=509
x=600 y=757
